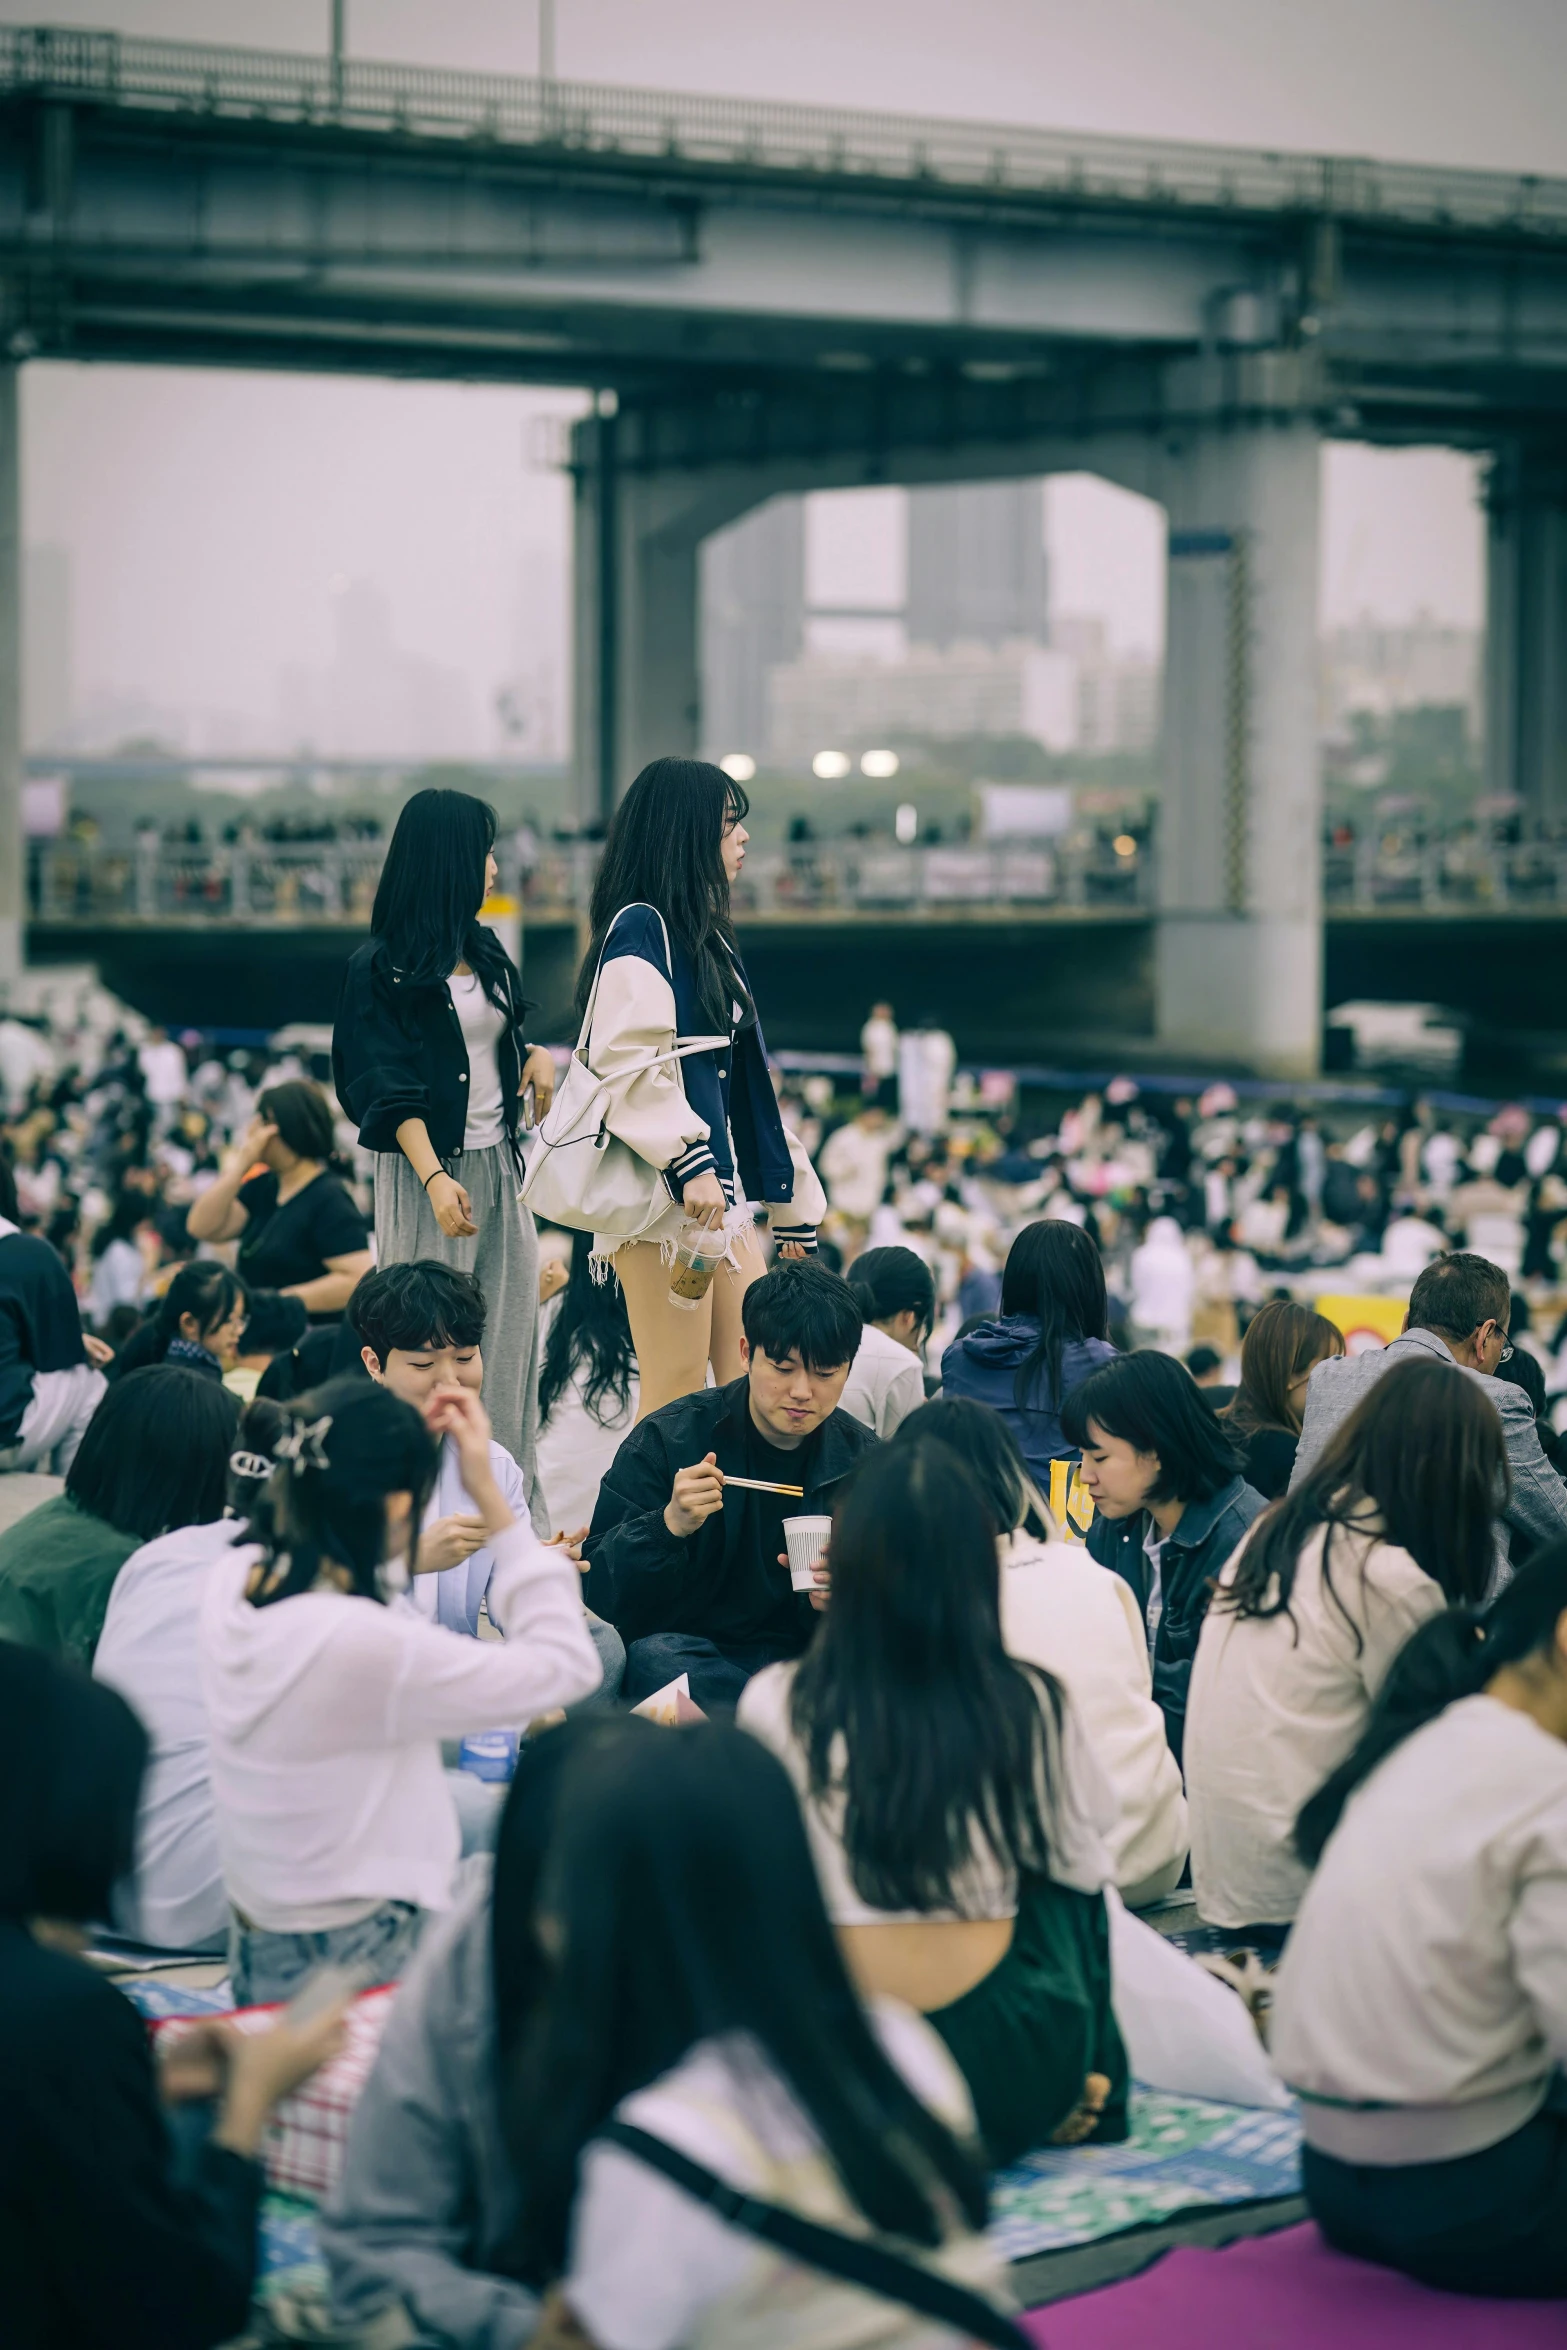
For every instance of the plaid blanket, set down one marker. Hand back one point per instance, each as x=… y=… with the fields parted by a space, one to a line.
x=1182 y=2152
x=306 y=2138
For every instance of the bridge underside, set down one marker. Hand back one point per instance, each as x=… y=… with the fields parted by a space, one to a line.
x=765 y=301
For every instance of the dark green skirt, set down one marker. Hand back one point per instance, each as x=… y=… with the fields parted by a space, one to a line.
x=1027 y=2037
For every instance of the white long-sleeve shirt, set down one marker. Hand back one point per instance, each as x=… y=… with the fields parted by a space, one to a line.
x=1062 y=1610
x=326 y=1715
x=885 y=1383
x=1422 y=2000
x=1276 y=1703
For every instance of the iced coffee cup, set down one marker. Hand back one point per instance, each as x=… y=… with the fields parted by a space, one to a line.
x=698 y=1255
x=807 y=1541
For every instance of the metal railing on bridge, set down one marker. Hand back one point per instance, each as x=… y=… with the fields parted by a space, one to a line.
x=1460 y=873
x=740 y=134
x=308 y=883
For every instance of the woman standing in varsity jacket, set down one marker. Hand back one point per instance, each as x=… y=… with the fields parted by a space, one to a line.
x=667 y=968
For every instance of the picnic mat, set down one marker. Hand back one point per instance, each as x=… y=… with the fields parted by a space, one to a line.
x=1183 y=2152
x=1289 y=2292
x=290 y=2253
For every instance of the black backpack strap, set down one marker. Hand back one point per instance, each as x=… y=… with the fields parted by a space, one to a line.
x=855 y=2259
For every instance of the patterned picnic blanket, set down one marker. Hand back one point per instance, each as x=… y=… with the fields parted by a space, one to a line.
x=1182 y=2152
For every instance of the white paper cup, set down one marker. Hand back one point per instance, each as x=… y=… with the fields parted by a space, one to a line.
x=807 y=1540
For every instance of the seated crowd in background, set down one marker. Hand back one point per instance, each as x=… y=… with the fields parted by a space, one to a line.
x=955 y=1755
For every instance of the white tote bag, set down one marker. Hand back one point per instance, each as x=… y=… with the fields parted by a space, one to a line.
x=575 y=1171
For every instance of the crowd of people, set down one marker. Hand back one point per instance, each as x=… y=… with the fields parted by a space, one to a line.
x=1013 y=1545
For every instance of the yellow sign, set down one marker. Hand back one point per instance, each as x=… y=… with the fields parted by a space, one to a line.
x=1071 y=1503
x=1366 y=1322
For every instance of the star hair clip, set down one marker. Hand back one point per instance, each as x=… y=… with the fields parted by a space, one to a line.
x=304 y=1447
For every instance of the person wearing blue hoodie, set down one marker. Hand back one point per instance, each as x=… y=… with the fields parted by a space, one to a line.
x=1051 y=1333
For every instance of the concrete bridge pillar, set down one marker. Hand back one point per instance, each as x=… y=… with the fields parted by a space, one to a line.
x=11 y=842
x=1239 y=956
x=637 y=653
x=1526 y=630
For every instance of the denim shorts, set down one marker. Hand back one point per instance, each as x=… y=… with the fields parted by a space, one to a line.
x=264 y=1967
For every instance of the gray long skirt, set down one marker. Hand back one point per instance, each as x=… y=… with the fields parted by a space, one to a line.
x=504 y=1253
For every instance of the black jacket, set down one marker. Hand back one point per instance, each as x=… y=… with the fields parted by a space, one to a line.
x=645 y=1579
x=398 y=1052
x=1194 y=1554
x=100 y=2243
x=40 y=1323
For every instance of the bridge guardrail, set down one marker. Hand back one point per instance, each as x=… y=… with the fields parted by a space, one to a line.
x=767 y=135
x=291 y=883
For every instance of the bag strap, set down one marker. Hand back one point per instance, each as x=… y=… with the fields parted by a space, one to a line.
x=855 y=2260
x=598 y=971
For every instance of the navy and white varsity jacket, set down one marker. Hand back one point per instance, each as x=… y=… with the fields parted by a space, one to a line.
x=714 y=1112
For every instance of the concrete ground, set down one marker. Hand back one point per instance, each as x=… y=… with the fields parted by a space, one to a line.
x=22 y=1491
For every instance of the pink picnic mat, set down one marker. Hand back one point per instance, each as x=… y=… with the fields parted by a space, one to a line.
x=1288 y=2292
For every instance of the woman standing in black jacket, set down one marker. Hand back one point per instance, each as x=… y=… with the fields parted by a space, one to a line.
x=103 y=2246
x=428 y=1056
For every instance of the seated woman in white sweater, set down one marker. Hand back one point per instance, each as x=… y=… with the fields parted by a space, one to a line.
x=1392 y=1524
x=1062 y=1611
x=956 y=1811
x=698 y=2009
x=328 y=1696
x=1421 y=2011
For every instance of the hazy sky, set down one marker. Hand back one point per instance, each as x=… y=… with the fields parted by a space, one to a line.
x=211 y=518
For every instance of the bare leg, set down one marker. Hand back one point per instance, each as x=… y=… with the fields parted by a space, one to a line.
x=728 y=1294
x=671 y=1341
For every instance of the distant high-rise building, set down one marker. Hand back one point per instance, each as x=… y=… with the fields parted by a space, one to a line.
x=753 y=619
x=48 y=650
x=977 y=564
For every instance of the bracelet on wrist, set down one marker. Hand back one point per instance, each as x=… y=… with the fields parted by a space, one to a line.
x=430 y=1178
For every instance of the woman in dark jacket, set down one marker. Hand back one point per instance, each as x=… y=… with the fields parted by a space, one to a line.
x=1283 y=1345
x=428 y=1056
x=1052 y=1331
x=664 y=965
x=1170 y=1504
x=102 y=2246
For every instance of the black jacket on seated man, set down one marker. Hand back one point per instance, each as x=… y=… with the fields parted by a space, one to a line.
x=723 y=1583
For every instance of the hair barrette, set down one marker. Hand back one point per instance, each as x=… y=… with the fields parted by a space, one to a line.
x=304 y=1447
x=253 y=1466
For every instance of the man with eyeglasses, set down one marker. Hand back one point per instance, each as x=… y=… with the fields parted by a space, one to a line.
x=1459 y=1312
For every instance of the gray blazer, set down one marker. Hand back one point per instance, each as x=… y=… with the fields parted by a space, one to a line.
x=1538 y=1504
x=427 y=2193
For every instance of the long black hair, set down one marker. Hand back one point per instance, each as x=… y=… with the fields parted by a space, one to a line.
x=943 y=1734
x=155 y=1455
x=981 y=1439
x=204 y=1289
x=426 y=911
x=72 y=1754
x=664 y=849
x=1454 y=1655
x=519 y=1963
x=349 y=1444
x=683 y=1905
x=591 y=1331
x=1425 y=1447
x=1054 y=1276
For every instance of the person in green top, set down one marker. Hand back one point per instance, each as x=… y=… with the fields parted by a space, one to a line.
x=155 y=1456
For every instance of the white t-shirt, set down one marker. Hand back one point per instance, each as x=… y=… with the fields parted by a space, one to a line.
x=885 y=1383
x=1062 y=1610
x=482 y=1026
x=1276 y=1703
x=1422 y=1999
x=651 y=2268
x=149 y=1652
x=577 y=1444
x=1080 y=1812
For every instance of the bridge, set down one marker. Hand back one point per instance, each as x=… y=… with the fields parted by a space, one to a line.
x=765 y=299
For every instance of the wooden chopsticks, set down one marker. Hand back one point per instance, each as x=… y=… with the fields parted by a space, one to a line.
x=760 y=1485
